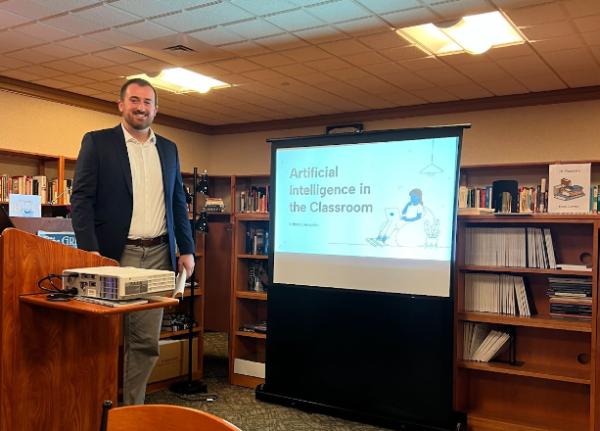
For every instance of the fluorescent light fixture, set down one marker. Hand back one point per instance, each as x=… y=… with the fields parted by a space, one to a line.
x=180 y=80
x=474 y=34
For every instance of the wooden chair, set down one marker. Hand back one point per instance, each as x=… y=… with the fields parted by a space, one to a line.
x=161 y=417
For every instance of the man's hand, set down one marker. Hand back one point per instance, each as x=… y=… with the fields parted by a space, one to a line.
x=186 y=261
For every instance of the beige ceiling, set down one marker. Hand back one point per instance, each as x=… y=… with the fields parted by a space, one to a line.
x=289 y=59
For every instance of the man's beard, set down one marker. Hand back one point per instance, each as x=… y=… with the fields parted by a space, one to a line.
x=138 y=123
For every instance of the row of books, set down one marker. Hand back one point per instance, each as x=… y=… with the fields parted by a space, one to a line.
x=530 y=199
x=570 y=298
x=481 y=344
x=499 y=294
x=176 y=322
x=524 y=247
x=255 y=200
x=259 y=327
x=257 y=241
x=34 y=185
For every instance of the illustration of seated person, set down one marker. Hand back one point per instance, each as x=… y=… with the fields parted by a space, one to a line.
x=406 y=229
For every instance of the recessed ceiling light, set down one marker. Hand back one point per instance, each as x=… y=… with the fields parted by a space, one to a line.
x=180 y=80
x=474 y=34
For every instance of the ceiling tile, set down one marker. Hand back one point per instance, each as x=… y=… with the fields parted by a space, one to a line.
x=514 y=4
x=282 y=42
x=363 y=26
x=546 y=31
x=83 y=44
x=92 y=61
x=407 y=81
x=113 y=37
x=216 y=36
x=445 y=76
x=322 y=34
x=386 y=6
x=366 y=59
x=45 y=72
x=237 y=65
x=208 y=16
x=55 y=51
x=42 y=31
x=18 y=40
x=305 y=54
x=458 y=9
x=530 y=65
x=106 y=88
x=384 y=69
x=153 y=66
x=540 y=14
x=405 y=53
x=581 y=78
x=589 y=23
x=338 y=11
x=12 y=63
x=403 y=98
x=386 y=39
x=66 y=66
x=410 y=17
x=67 y=5
x=579 y=8
x=484 y=71
x=347 y=74
x=97 y=75
x=30 y=56
x=121 y=70
x=264 y=8
x=468 y=91
x=505 y=87
x=10 y=20
x=344 y=48
x=422 y=64
x=558 y=43
x=462 y=58
x=82 y=90
x=316 y=78
x=327 y=64
x=76 y=79
x=592 y=38
x=245 y=49
x=254 y=28
x=120 y=55
x=150 y=7
x=263 y=75
x=53 y=83
x=546 y=82
x=271 y=60
x=570 y=60
x=106 y=16
x=294 y=69
x=21 y=74
x=71 y=24
x=294 y=20
x=146 y=30
x=509 y=51
x=435 y=95
x=28 y=9
x=204 y=69
x=373 y=85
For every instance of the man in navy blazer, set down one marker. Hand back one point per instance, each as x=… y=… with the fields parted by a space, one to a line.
x=128 y=203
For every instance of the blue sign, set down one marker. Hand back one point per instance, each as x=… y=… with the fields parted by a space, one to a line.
x=24 y=205
x=66 y=238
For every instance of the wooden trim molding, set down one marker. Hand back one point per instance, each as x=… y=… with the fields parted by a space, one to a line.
x=485 y=104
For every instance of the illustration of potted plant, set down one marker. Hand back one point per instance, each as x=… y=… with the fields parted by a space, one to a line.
x=432 y=231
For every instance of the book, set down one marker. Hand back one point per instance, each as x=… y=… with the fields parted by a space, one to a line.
x=570 y=188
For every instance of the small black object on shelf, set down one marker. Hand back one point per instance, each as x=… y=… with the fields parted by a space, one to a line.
x=191 y=386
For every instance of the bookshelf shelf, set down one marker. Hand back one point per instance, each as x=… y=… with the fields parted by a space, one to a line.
x=251 y=295
x=252 y=216
x=517 y=270
x=253 y=256
x=484 y=421
x=250 y=334
x=527 y=219
x=165 y=334
x=533 y=322
x=531 y=370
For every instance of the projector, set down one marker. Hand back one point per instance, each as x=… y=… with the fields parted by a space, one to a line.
x=118 y=283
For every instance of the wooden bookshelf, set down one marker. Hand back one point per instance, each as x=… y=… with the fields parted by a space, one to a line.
x=554 y=385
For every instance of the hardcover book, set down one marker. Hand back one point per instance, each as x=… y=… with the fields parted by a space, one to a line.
x=569 y=189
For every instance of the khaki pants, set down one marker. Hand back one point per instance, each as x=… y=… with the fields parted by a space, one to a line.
x=141 y=330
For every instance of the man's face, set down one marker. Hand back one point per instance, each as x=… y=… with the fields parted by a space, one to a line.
x=138 y=107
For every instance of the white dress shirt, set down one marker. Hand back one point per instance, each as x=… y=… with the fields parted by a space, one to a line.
x=149 y=214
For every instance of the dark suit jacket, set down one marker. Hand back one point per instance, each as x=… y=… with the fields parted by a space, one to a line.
x=102 y=197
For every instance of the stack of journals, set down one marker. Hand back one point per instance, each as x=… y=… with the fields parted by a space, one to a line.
x=510 y=246
x=481 y=345
x=499 y=294
x=214 y=205
x=570 y=298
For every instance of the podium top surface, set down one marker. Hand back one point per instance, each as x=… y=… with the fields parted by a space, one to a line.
x=79 y=307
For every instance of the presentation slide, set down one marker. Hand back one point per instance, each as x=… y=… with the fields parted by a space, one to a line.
x=374 y=216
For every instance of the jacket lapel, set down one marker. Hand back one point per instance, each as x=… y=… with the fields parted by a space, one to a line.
x=121 y=150
x=163 y=161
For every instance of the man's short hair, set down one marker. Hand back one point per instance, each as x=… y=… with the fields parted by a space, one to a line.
x=142 y=83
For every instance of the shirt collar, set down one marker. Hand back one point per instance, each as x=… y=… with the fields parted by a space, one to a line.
x=128 y=138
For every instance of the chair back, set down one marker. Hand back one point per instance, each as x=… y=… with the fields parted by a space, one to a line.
x=164 y=417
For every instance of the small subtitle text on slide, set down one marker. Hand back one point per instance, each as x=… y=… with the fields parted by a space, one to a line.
x=304 y=224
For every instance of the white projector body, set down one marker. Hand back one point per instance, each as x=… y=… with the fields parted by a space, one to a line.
x=118 y=283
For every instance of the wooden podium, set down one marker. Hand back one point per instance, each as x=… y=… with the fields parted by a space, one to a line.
x=59 y=360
